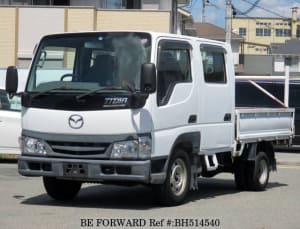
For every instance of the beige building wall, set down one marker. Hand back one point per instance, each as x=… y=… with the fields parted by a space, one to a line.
x=22 y=27
x=264 y=23
x=8 y=36
x=80 y=19
x=158 y=21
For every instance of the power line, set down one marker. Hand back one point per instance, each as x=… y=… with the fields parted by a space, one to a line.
x=192 y=3
x=267 y=10
x=251 y=7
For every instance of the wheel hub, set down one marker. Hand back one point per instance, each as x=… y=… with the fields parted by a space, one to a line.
x=262 y=171
x=178 y=179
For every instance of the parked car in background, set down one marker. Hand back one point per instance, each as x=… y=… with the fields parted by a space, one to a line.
x=10 y=124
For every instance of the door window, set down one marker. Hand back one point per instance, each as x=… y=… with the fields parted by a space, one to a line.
x=213 y=59
x=173 y=67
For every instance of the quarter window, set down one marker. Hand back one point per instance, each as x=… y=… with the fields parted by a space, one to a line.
x=213 y=59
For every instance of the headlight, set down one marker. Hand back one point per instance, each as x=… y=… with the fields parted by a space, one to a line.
x=134 y=149
x=32 y=146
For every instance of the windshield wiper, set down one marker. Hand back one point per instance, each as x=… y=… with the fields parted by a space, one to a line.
x=126 y=85
x=52 y=89
x=92 y=92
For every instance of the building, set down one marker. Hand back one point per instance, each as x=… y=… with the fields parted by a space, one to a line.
x=210 y=31
x=259 y=33
x=24 y=22
x=286 y=54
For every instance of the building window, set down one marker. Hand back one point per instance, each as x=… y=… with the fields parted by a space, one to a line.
x=267 y=32
x=17 y=2
x=242 y=31
x=263 y=32
x=283 y=32
x=41 y=2
x=293 y=62
x=261 y=49
x=121 y=4
x=298 y=33
x=259 y=32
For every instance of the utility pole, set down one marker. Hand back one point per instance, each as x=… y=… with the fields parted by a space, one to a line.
x=203 y=10
x=175 y=26
x=228 y=21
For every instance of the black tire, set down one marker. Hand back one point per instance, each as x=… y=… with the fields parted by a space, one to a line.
x=61 y=189
x=258 y=172
x=177 y=184
x=240 y=174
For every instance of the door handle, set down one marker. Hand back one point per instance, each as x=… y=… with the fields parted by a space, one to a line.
x=192 y=119
x=227 y=117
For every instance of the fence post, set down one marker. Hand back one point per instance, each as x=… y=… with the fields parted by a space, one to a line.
x=286 y=86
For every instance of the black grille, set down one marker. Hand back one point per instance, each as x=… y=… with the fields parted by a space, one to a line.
x=78 y=148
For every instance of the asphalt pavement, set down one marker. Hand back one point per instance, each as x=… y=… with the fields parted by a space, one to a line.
x=288 y=158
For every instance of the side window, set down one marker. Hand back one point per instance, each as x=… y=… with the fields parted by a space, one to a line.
x=8 y=104
x=173 y=67
x=214 y=66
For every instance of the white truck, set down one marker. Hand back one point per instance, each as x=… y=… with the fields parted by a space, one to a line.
x=141 y=108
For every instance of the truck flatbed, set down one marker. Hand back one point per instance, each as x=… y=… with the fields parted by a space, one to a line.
x=261 y=124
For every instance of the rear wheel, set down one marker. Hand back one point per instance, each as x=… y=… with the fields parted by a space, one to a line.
x=252 y=175
x=258 y=174
x=177 y=183
x=61 y=189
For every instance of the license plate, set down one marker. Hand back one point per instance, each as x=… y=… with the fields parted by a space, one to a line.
x=75 y=170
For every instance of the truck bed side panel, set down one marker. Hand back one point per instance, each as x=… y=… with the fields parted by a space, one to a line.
x=258 y=124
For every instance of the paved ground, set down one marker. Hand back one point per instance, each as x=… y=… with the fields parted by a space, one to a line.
x=288 y=158
x=24 y=204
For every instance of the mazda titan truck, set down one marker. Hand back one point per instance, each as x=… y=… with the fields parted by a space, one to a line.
x=134 y=107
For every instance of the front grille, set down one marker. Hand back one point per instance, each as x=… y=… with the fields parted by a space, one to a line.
x=78 y=148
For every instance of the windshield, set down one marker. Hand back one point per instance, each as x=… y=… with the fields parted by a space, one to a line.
x=88 y=61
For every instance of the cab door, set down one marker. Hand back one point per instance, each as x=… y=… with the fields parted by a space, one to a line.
x=216 y=99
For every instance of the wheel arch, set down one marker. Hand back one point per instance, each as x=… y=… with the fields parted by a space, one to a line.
x=188 y=142
x=252 y=149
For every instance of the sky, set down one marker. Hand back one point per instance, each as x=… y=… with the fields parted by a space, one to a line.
x=215 y=10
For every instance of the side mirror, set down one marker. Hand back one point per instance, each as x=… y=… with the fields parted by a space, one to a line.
x=148 y=78
x=11 y=85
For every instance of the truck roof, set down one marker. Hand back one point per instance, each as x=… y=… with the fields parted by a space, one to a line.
x=153 y=34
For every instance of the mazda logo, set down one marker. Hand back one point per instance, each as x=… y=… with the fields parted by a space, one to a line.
x=75 y=121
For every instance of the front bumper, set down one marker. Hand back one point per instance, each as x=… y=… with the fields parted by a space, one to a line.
x=90 y=170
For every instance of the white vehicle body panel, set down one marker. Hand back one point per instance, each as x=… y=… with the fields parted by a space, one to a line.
x=10 y=131
x=105 y=122
x=264 y=124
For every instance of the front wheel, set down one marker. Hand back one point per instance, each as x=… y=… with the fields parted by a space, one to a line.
x=177 y=183
x=61 y=189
